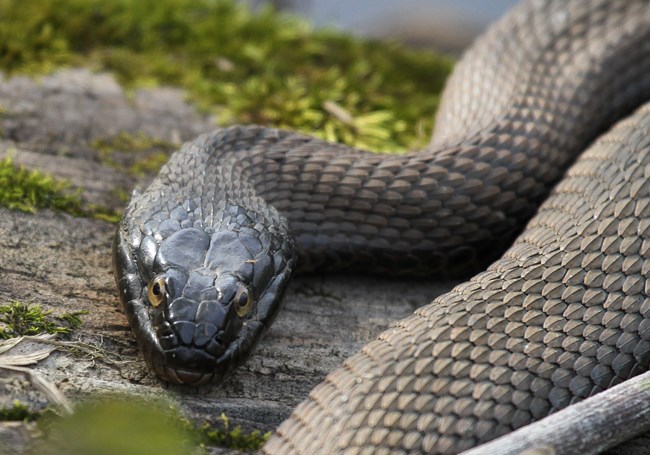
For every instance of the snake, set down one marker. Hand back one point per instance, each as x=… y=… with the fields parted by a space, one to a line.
x=542 y=139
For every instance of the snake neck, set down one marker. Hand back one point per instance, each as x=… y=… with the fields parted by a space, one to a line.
x=454 y=207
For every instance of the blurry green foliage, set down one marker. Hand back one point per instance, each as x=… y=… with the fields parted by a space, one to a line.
x=118 y=426
x=124 y=425
x=245 y=67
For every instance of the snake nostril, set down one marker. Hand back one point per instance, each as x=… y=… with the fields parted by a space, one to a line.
x=164 y=329
x=215 y=346
x=168 y=341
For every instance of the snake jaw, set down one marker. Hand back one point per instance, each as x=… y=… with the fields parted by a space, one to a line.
x=137 y=312
x=213 y=362
x=223 y=367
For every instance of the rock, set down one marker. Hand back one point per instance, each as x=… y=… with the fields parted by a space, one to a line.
x=63 y=263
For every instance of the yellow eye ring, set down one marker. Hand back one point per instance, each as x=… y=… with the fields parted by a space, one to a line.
x=243 y=301
x=157 y=291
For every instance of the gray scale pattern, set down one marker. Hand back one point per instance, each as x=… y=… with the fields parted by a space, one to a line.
x=561 y=316
x=564 y=314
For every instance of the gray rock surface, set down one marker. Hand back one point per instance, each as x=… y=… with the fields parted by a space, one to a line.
x=63 y=263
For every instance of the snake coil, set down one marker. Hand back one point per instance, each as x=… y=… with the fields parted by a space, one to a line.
x=202 y=256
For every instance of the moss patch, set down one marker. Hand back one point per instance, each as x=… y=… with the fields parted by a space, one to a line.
x=98 y=426
x=118 y=150
x=261 y=68
x=29 y=190
x=18 y=319
x=233 y=437
x=18 y=412
x=128 y=141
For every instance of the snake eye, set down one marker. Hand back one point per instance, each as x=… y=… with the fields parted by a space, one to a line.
x=243 y=301
x=157 y=291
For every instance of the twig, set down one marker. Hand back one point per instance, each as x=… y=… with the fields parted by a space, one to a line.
x=86 y=348
x=338 y=112
x=588 y=427
x=17 y=362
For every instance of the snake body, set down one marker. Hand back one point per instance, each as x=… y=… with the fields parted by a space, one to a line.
x=202 y=256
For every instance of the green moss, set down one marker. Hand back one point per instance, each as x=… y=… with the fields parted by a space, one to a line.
x=3 y=114
x=18 y=412
x=29 y=190
x=103 y=213
x=129 y=141
x=18 y=319
x=149 y=165
x=261 y=68
x=233 y=438
x=225 y=435
x=155 y=151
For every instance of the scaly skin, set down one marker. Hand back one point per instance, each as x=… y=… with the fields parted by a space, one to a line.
x=563 y=315
x=558 y=318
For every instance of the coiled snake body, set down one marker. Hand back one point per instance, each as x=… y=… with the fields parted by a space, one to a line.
x=202 y=256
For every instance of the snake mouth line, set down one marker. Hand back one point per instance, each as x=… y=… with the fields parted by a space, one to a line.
x=180 y=376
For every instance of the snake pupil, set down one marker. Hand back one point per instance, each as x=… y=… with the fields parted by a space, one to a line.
x=156 y=289
x=243 y=299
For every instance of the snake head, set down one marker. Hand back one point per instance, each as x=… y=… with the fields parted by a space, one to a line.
x=198 y=300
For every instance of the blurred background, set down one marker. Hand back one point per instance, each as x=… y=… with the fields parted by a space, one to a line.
x=447 y=25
